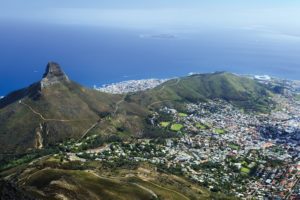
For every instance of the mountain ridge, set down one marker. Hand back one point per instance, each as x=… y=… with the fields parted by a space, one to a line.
x=63 y=108
x=56 y=108
x=240 y=91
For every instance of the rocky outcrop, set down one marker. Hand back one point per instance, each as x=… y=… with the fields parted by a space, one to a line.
x=53 y=75
x=39 y=138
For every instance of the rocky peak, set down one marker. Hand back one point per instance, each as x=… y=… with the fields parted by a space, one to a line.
x=53 y=75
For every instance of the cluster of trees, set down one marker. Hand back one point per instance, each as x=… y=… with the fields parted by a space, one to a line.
x=15 y=160
x=120 y=163
x=176 y=170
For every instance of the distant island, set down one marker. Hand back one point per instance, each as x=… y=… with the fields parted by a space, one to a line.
x=158 y=36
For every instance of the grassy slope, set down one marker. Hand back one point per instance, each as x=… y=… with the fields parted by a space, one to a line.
x=17 y=126
x=81 y=185
x=67 y=101
x=241 y=91
x=47 y=178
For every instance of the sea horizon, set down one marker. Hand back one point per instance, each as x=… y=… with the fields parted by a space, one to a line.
x=89 y=57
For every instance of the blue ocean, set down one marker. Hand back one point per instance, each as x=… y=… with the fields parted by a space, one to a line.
x=99 y=55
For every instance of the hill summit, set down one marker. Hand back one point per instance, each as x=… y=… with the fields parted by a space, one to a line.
x=53 y=74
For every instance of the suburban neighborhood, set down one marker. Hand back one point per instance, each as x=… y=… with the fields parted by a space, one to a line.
x=221 y=147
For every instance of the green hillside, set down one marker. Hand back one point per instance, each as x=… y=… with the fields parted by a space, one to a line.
x=243 y=92
x=57 y=109
x=51 y=178
x=34 y=117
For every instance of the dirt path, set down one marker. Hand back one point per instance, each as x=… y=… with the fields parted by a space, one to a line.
x=114 y=179
x=49 y=119
x=84 y=134
x=118 y=104
x=183 y=196
x=157 y=102
x=177 y=82
x=32 y=110
x=32 y=163
x=161 y=89
x=146 y=189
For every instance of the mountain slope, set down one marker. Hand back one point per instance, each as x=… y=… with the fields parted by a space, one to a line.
x=241 y=91
x=56 y=109
x=49 y=178
x=49 y=111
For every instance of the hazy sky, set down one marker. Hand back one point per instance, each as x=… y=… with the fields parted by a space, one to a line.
x=269 y=15
x=233 y=35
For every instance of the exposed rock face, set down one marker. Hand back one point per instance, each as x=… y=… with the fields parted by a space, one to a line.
x=53 y=75
x=39 y=137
